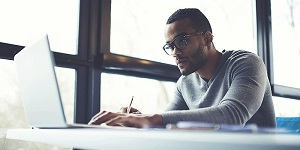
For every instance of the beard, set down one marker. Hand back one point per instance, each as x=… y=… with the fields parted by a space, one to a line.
x=195 y=61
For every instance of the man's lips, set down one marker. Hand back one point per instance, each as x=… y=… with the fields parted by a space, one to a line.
x=181 y=62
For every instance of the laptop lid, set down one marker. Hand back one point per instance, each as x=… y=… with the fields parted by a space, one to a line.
x=39 y=88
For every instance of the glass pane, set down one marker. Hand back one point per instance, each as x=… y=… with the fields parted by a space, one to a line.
x=66 y=81
x=10 y=96
x=137 y=27
x=22 y=22
x=151 y=96
x=286 y=46
x=285 y=107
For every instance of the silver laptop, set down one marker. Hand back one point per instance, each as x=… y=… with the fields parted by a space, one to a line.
x=39 y=88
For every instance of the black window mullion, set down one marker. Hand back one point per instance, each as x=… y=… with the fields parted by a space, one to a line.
x=89 y=48
x=80 y=110
x=264 y=35
x=8 y=51
x=81 y=98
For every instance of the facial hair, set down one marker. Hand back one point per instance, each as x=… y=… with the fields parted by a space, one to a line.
x=196 y=61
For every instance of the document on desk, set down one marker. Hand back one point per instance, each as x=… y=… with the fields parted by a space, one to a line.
x=200 y=126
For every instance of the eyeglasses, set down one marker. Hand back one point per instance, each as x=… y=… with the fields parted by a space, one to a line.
x=180 y=42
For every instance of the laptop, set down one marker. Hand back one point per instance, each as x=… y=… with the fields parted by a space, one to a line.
x=39 y=87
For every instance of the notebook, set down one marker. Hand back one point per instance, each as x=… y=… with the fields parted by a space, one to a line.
x=39 y=87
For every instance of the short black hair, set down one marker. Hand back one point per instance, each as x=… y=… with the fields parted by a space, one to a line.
x=198 y=19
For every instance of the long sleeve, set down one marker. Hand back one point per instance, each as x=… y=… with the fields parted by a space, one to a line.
x=238 y=92
x=177 y=103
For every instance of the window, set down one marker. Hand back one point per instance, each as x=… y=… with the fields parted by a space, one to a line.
x=285 y=107
x=137 y=27
x=150 y=96
x=286 y=56
x=137 y=32
x=10 y=97
x=22 y=22
x=66 y=82
x=286 y=46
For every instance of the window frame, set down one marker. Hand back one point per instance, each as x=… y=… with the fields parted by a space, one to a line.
x=265 y=49
x=94 y=57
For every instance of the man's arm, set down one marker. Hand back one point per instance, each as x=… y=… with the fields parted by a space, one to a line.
x=241 y=101
x=177 y=103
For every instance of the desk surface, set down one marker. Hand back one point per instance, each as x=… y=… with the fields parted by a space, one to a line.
x=155 y=139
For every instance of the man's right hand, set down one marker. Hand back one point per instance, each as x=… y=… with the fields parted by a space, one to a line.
x=132 y=110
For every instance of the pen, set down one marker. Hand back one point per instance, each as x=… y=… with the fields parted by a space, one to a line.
x=129 y=107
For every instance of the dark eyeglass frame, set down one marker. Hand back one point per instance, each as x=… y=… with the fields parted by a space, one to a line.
x=169 y=46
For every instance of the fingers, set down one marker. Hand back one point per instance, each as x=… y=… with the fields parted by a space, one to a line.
x=97 y=115
x=137 y=112
x=103 y=117
x=134 y=119
x=123 y=109
x=125 y=121
x=132 y=110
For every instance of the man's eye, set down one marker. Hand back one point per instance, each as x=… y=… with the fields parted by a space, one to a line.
x=180 y=42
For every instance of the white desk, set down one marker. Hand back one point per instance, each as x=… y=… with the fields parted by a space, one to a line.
x=155 y=139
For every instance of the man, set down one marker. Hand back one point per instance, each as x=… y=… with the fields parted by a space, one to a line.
x=231 y=87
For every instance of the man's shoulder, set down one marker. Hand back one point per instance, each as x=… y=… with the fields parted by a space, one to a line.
x=240 y=55
x=238 y=52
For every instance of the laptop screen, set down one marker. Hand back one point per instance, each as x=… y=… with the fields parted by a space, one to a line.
x=39 y=87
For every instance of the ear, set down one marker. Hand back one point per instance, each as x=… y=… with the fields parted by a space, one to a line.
x=208 y=38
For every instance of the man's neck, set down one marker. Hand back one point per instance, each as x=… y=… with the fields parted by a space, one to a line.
x=211 y=65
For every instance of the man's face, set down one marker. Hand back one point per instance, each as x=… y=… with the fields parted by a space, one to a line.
x=193 y=56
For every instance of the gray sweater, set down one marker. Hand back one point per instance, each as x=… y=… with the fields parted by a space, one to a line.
x=238 y=93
